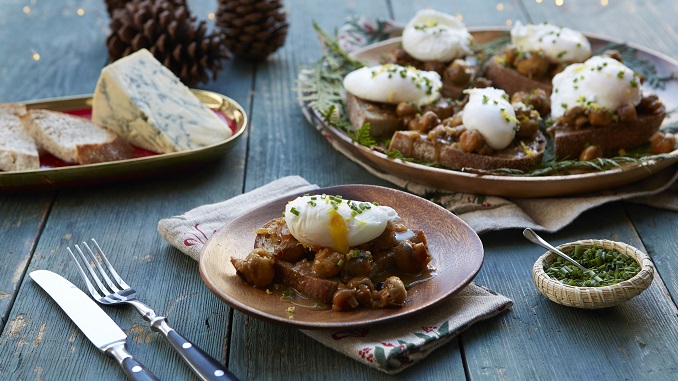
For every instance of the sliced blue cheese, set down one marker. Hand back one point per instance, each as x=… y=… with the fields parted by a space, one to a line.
x=145 y=103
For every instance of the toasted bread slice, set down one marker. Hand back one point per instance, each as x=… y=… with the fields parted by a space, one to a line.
x=18 y=151
x=521 y=154
x=569 y=143
x=381 y=116
x=511 y=81
x=74 y=139
x=311 y=287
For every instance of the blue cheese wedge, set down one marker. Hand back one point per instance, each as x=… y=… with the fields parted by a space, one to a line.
x=145 y=103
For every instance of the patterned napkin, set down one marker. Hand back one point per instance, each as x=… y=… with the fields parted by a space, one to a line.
x=390 y=347
x=485 y=213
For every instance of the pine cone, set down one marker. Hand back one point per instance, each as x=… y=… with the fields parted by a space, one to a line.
x=112 y=5
x=253 y=29
x=172 y=34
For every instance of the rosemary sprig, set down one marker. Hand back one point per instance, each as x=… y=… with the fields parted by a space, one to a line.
x=485 y=51
x=565 y=166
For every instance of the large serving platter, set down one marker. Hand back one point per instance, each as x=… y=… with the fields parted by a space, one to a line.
x=456 y=250
x=55 y=173
x=501 y=185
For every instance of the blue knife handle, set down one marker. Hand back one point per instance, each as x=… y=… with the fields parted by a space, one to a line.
x=136 y=370
x=203 y=364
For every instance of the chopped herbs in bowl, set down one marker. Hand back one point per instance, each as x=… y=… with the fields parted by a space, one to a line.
x=622 y=272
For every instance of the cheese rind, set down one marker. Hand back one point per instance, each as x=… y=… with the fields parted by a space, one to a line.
x=145 y=103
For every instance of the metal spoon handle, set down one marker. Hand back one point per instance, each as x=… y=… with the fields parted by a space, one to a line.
x=532 y=236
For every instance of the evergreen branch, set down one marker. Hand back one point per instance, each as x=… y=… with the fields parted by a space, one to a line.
x=563 y=167
x=485 y=51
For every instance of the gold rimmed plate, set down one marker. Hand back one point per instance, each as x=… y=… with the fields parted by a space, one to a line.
x=456 y=250
x=56 y=173
x=500 y=185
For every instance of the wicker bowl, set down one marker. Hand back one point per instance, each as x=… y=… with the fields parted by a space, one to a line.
x=593 y=297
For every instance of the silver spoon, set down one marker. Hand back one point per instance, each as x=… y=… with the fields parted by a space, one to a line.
x=532 y=236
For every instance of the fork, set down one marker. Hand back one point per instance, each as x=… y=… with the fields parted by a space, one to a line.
x=116 y=291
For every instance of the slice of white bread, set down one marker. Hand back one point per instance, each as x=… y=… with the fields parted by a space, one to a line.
x=18 y=151
x=74 y=139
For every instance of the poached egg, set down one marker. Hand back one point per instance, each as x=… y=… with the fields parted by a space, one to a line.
x=559 y=44
x=489 y=112
x=392 y=83
x=330 y=221
x=436 y=36
x=597 y=82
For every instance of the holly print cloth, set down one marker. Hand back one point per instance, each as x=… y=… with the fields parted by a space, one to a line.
x=389 y=347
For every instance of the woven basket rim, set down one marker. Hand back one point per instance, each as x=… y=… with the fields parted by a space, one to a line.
x=643 y=260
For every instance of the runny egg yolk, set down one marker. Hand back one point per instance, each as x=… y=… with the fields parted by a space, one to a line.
x=339 y=232
x=323 y=221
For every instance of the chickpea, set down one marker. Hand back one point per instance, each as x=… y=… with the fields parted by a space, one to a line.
x=532 y=65
x=510 y=53
x=344 y=299
x=471 y=141
x=258 y=269
x=457 y=72
x=425 y=122
x=527 y=128
x=590 y=153
x=326 y=263
x=411 y=258
x=393 y=292
x=436 y=66
x=406 y=109
x=454 y=120
x=574 y=117
x=627 y=113
x=443 y=108
x=362 y=290
x=651 y=103
x=662 y=142
x=358 y=262
x=581 y=121
x=528 y=122
x=481 y=82
x=536 y=98
x=600 y=117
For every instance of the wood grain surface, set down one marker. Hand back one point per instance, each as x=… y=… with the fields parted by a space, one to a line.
x=48 y=50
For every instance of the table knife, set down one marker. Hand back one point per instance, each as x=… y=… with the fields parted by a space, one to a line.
x=99 y=328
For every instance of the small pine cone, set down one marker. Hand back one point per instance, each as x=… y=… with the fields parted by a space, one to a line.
x=172 y=34
x=253 y=29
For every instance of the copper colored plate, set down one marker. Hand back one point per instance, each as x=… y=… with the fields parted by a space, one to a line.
x=510 y=186
x=130 y=168
x=456 y=250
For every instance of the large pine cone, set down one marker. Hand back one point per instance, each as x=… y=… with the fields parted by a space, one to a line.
x=253 y=29
x=112 y=5
x=172 y=34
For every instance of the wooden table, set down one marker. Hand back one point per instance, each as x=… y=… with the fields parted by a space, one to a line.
x=537 y=339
